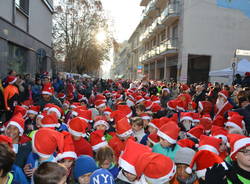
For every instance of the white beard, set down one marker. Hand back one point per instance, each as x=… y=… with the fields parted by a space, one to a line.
x=219 y=103
x=187 y=125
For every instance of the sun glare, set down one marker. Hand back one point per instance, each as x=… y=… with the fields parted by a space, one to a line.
x=101 y=36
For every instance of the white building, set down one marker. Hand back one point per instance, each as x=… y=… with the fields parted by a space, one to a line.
x=185 y=39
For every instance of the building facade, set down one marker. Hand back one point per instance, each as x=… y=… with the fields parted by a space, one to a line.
x=25 y=35
x=185 y=39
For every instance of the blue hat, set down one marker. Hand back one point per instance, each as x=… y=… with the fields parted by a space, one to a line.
x=101 y=176
x=83 y=165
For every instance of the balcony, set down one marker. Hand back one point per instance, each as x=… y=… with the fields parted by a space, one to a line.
x=164 y=47
x=171 y=12
x=150 y=8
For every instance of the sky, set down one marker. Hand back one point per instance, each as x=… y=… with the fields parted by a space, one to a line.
x=126 y=15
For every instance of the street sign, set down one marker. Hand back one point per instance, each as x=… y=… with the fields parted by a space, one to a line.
x=240 y=52
x=139 y=71
x=139 y=67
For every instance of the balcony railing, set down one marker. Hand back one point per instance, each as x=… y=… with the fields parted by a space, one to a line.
x=171 y=9
x=149 y=7
x=166 y=45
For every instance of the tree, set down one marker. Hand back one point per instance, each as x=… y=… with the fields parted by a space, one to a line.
x=75 y=26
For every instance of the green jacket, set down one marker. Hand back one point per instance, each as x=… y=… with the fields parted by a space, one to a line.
x=157 y=148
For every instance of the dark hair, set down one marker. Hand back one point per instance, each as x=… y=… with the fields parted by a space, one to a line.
x=137 y=121
x=105 y=153
x=7 y=158
x=49 y=173
x=141 y=107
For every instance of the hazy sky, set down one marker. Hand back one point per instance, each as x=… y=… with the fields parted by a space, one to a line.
x=125 y=14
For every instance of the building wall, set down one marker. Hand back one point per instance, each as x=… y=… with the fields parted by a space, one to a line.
x=40 y=21
x=6 y=9
x=25 y=35
x=209 y=29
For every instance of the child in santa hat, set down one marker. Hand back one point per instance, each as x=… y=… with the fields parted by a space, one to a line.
x=123 y=133
x=30 y=123
x=168 y=134
x=105 y=158
x=137 y=127
x=21 y=142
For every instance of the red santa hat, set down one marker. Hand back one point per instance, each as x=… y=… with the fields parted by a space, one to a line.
x=206 y=123
x=148 y=105
x=100 y=104
x=155 y=107
x=118 y=97
x=47 y=141
x=81 y=97
x=145 y=116
x=153 y=138
x=70 y=96
x=68 y=149
x=100 y=97
x=6 y=140
x=184 y=87
x=126 y=109
x=123 y=128
x=219 y=132
x=155 y=99
x=117 y=115
x=224 y=93
x=207 y=116
x=155 y=167
x=219 y=121
x=19 y=109
x=129 y=157
x=26 y=104
x=169 y=132
x=205 y=106
x=97 y=140
x=61 y=95
x=107 y=111
x=236 y=121
x=77 y=127
x=156 y=123
x=56 y=109
x=196 y=132
x=50 y=121
x=78 y=110
x=196 y=117
x=237 y=142
x=101 y=122
x=34 y=110
x=11 y=79
x=86 y=115
x=181 y=105
x=47 y=90
x=204 y=159
x=209 y=143
x=17 y=121
x=139 y=99
x=186 y=116
x=172 y=104
x=130 y=102
x=187 y=143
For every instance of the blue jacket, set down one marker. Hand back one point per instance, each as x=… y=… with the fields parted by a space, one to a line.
x=19 y=176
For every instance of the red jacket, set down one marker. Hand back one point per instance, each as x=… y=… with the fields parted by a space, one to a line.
x=227 y=106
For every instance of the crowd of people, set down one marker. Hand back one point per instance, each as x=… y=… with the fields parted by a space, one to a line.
x=94 y=131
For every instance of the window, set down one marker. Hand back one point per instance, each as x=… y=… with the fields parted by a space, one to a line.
x=17 y=58
x=23 y=5
x=163 y=35
x=175 y=32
